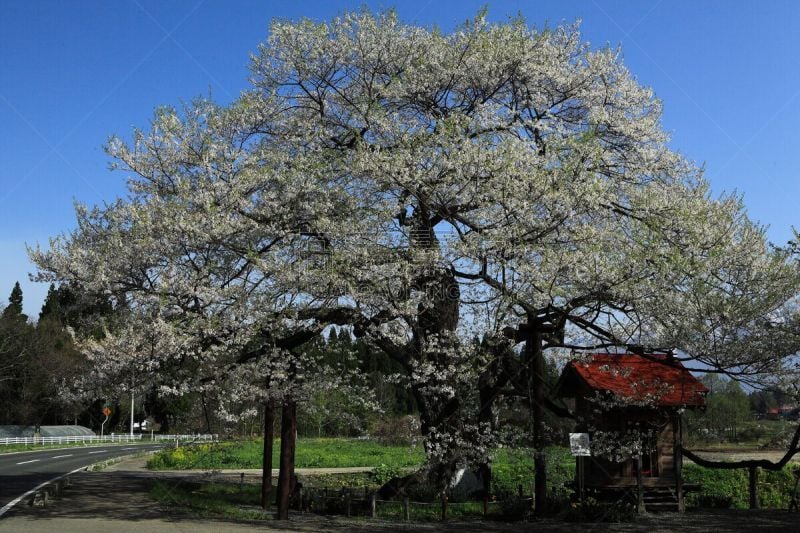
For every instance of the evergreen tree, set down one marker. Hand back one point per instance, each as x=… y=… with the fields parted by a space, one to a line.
x=52 y=306
x=14 y=309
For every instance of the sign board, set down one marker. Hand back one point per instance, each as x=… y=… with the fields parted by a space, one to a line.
x=106 y=411
x=579 y=444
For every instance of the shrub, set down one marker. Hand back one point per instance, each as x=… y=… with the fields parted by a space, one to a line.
x=383 y=473
x=399 y=430
x=594 y=510
x=729 y=488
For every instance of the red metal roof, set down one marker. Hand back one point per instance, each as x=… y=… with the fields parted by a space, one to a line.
x=651 y=379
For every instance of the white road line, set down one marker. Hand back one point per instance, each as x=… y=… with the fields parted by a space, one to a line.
x=128 y=448
x=26 y=462
x=60 y=456
x=15 y=501
x=99 y=451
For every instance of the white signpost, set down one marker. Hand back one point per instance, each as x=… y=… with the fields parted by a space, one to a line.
x=580 y=447
x=579 y=444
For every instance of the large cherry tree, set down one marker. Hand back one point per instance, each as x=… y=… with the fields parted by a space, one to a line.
x=423 y=187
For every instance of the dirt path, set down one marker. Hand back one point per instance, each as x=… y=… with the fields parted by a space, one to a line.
x=138 y=465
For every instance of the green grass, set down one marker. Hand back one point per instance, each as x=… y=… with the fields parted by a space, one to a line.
x=514 y=467
x=511 y=467
x=231 y=501
x=730 y=487
x=212 y=499
x=310 y=453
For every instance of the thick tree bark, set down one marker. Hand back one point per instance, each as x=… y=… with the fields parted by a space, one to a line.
x=269 y=438
x=286 y=474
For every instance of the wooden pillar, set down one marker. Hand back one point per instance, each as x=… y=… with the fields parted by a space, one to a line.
x=266 y=469
x=286 y=474
x=535 y=355
x=677 y=460
x=753 y=470
x=639 y=486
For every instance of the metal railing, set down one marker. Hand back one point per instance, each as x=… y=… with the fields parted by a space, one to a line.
x=89 y=439
x=196 y=438
x=70 y=439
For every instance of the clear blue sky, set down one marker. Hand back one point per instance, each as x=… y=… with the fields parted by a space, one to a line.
x=73 y=73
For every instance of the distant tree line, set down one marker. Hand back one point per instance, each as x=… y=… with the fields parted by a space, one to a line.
x=39 y=364
x=731 y=412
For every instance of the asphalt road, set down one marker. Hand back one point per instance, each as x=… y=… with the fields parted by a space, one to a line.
x=21 y=472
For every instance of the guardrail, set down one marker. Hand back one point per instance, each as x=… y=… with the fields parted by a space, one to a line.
x=88 y=439
x=69 y=439
x=195 y=438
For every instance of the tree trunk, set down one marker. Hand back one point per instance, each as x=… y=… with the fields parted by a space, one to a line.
x=535 y=359
x=266 y=471
x=286 y=474
x=206 y=415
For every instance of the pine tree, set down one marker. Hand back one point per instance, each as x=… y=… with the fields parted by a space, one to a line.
x=14 y=309
x=52 y=305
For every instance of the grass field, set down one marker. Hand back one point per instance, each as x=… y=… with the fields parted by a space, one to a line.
x=511 y=468
x=242 y=503
x=310 y=453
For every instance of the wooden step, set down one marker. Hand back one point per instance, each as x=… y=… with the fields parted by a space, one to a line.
x=661 y=507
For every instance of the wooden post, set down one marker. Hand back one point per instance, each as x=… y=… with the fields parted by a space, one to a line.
x=406 y=509
x=444 y=505
x=347 y=500
x=639 y=487
x=266 y=468
x=753 y=487
x=485 y=506
x=677 y=460
x=534 y=357
x=288 y=436
x=373 y=505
